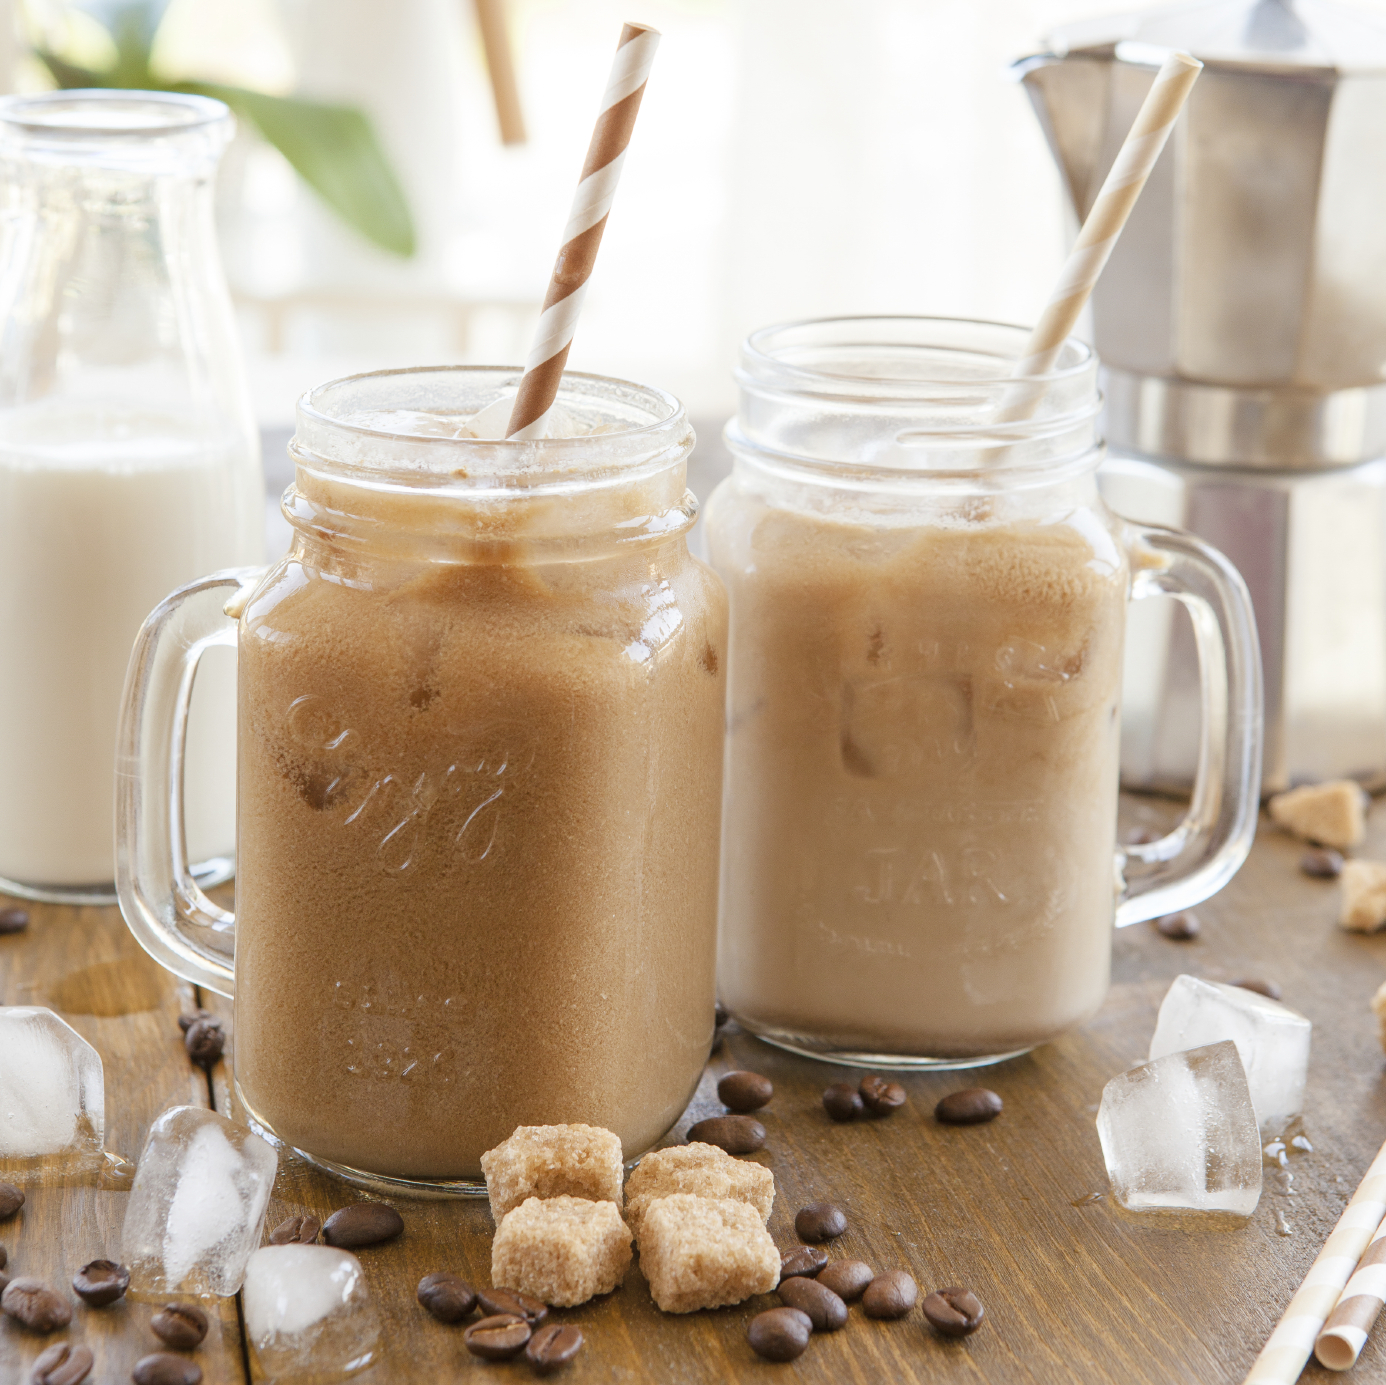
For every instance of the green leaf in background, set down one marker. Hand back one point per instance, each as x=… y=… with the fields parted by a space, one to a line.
x=335 y=151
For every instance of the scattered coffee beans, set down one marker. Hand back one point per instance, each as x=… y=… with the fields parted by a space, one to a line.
x=1182 y=927
x=971 y=1106
x=779 y=1334
x=1323 y=863
x=11 y=1200
x=802 y=1260
x=13 y=920
x=735 y=1134
x=497 y=1338
x=186 y=1022
x=881 y=1097
x=553 y=1346
x=33 y=1303
x=100 y=1283
x=447 y=1296
x=296 y=1230
x=1269 y=989
x=362 y=1224
x=843 y=1102
x=745 y=1091
x=819 y=1221
x=954 y=1312
x=826 y=1311
x=205 y=1039
x=847 y=1278
x=64 y=1363
x=890 y=1295
x=164 y=1368
x=512 y=1303
x=180 y=1326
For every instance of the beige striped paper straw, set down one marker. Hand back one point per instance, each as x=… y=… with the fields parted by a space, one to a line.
x=1142 y=146
x=1345 y=1333
x=583 y=233
x=1283 y=1356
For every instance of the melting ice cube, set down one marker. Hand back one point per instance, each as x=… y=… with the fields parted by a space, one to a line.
x=308 y=1313
x=52 y=1095
x=1272 y=1039
x=197 y=1205
x=1180 y=1131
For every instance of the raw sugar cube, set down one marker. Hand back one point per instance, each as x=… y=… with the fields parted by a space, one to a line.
x=703 y=1252
x=550 y=1161
x=701 y=1169
x=1180 y=1132
x=308 y=1312
x=52 y=1092
x=1272 y=1041
x=1332 y=814
x=1363 y=885
x=563 y=1249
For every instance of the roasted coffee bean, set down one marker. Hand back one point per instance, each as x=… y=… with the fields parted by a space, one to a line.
x=13 y=920
x=164 y=1368
x=802 y=1260
x=1182 y=927
x=500 y=1302
x=205 y=1041
x=971 y=1106
x=101 y=1282
x=819 y=1221
x=33 y=1303
x=11 y=1200
x=745 y=1091
x=362 y=1224
x=497 y=1338
x=1323 y=863
x=296 y=1231
x=889 y=1295
x=448 y=1297
x=186 y=1022
x=180 y=1326
x=64 y=1363
x=954 y=1312
x=826 y=1311
x=843 y=1102
x=847 y=1278
x=779 y=1334
x=1269 y=989
x=553 y=1346
x=881 y=1097
x=735 y=1134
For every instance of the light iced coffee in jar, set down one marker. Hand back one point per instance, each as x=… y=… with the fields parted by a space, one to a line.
x=480 y=760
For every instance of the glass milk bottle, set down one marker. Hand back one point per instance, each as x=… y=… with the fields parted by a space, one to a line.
x=129 y=463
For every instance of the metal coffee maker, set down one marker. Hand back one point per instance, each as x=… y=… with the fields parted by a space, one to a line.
x=1242 y=324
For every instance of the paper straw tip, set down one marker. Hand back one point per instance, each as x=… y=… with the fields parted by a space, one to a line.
x=630 y=31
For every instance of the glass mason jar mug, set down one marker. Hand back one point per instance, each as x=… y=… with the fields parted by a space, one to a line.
x=480 y=756
x=927 y=614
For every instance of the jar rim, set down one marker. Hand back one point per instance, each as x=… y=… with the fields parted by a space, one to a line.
x=164 y=112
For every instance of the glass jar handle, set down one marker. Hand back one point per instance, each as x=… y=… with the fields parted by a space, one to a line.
x=169 y=915
x=1204 y=851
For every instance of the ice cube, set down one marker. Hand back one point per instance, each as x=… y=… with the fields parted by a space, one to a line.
x=1273 y=1041
x=52 y=1094
x=197 y=1205
x=307 y=1312
x=1180 y=1132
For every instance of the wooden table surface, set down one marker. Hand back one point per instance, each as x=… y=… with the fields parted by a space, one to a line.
x=1075 y=1289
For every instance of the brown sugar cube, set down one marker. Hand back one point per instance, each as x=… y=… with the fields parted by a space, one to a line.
x=1363 y=884
x=563 y=1250
x=553 y=1161
x=701 y=1169
x=703 y=1252
x=1379 y=1010
x=1332 y=814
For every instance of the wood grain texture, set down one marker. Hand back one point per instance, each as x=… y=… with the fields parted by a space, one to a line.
x=1073 y=1293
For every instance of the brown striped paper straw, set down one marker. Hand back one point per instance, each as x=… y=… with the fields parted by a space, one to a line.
x=583 y=233
x=1136 y=157
x=1283 y=1356
x=1345 y=1333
